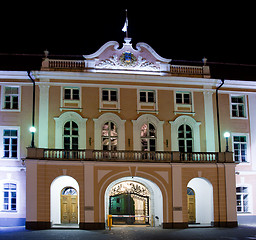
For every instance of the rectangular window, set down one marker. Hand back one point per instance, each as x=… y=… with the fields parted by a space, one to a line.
x=240 y=148
x=10 y=143
x=11 y=98
x=242 y=205
x=238 y=106
x=71 y=94
x=147 y=96
x=109 y=95
x=183 y=98
x=10 y=197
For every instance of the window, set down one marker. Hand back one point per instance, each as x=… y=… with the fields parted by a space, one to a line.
x=10 y=197
x=185 y=138
x=109 y=95
x=10 y=98
x=238 y=106
x=71 y=94
x=240 y=148
x=147 y=96
x=148 y=137
x=183 y=98
x=109 y=136
x=10 y=143
x=242 y=205
x=70 y=136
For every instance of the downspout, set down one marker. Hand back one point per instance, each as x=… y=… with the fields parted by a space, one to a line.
x=219 y=141
x=33 y=112
x=218 y=115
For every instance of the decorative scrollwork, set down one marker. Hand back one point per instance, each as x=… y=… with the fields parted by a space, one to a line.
x=129 y=187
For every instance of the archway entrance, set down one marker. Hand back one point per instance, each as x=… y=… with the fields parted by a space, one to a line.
x=69 y=206
x=129 y=203
x=64 y=198
x=134 y=201
x=200 y=202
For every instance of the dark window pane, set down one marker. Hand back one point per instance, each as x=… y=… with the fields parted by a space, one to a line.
x=143 y=97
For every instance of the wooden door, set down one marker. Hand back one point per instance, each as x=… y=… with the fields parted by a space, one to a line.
x=191 y=205
x=69 y=209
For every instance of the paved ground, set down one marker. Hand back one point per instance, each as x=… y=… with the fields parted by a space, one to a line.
x=131 y=233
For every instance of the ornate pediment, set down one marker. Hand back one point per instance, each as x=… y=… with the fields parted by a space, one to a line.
x=143 y=58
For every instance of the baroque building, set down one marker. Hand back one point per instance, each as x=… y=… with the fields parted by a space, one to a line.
x=125 y=133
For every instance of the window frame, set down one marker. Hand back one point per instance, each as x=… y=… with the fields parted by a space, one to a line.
x=2 y=128
x=109 y=137
x=247 y=146
x=3 y=95
x=10 y=191
x=182 y=98
x=242 y=199
x=236 y=104
x=109 y=105
x=71 y=104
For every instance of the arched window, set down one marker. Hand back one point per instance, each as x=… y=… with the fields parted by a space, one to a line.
x=70 y=136
x=148 y=137
x=185 y=138
x=109 y=136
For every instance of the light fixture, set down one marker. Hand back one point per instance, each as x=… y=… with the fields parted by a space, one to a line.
x=32 y=129
x=227 y=135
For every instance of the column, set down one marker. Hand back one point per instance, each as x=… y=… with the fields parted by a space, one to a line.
x=43 y=116
x=209 y=121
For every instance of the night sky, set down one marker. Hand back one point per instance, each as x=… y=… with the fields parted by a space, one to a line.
x=183 y=31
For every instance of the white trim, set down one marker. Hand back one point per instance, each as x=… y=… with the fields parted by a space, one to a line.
x=249 y=160
x=184 y=119
x=137 y=124
x=98 y=124
x=3 y=98
x=245 y=105
x=191 y=106
x=59 y=124
x=250 y=198
x=2 y=128
x=63 y=101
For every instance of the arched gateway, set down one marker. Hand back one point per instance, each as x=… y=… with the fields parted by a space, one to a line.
x=133 y=201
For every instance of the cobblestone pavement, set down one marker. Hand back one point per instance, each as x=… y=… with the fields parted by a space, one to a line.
x=131 y=233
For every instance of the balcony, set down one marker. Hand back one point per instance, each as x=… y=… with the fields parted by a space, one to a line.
x=129 y=156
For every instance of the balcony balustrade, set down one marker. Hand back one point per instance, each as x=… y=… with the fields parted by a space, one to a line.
x=129 y=156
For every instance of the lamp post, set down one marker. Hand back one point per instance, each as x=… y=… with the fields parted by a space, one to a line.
x=227 y=135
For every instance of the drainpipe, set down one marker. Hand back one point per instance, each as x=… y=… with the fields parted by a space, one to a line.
x=218 y=115
x=33 y=112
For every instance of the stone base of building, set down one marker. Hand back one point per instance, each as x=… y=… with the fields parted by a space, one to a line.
x=182 y=225
x=92 y=226
x=226 y=224
x=38 y=225
x=178 y=225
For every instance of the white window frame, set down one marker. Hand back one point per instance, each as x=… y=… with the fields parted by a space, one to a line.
x=9 y=197
x=245 y=105
x=142 y=106
x=72 y=101
x=2 y=128
x=190 y=106
x=3 y=98
x=59 y=127
x=137 y=124
x=195 y=127
x=249 y=199
x=247 y=143
x=98 y=125
x=116 y=104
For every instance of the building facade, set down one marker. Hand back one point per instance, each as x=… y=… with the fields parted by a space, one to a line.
x=125 y=133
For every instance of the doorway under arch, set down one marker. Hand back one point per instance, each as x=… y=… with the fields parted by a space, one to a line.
x=64 y=199
x=203 y=197
x=134 y=196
